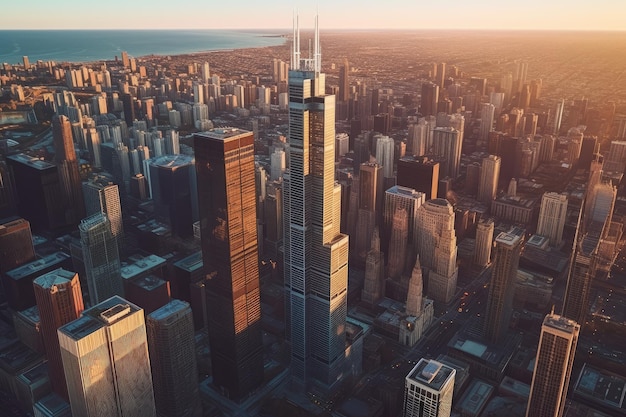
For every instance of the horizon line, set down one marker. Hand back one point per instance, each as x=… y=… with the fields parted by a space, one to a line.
x=287 y=30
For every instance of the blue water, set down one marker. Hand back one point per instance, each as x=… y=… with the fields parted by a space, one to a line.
x=94 y=45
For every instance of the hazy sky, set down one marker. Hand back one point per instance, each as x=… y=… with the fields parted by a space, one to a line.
x=334 y=14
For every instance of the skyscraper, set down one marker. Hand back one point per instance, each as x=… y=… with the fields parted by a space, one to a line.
x=316 y=253
x=173 y=360
x=59 y=301
x=67 y=164
x=398 y=243
x=344 y=82
x=487 y=111
x=373 y=288
x=228 y=230
x=419 y=173
x=500 y=299
x=102 y=196
x=447 y=142
x=408 y=199
x=101 y=257
x=488 y=181
x=552 y=215
x=428 y=390
x=16 y=244
x=437 y=249
x=553 y=366
x=105 y=358
x=430 y=99
x=384 y=154
x=484 y=242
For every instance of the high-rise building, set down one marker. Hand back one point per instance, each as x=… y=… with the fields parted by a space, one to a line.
x=8 y=206
x=430 y=99
x=101 y=257
x=59 y=300
x=553 y=366
x=408 y=199
x=484 y=242
x=316 y=253
x=65 y=157
x=552 y=215
x=16 y=244
x=172 y=180
x=437 y=249
x=106 y=363
x=173 y=360
x=373 y=288
x=228 y=230
x=447 y=142
x=102 y=196
x=487 y=112
x=38 y=191
x=428 y=390
x=501 y=288
x=616 y=156
x=398 y=243
x=488 y=181
x=384 y=154
x=344 y=82
x=419 y=173
x=441 y=74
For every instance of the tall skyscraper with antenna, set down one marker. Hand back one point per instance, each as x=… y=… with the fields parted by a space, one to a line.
x=316 y=253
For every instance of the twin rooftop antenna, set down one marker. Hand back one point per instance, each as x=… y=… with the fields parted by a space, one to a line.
x=312 y=63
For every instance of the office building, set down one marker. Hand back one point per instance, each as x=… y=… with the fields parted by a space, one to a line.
x=484 y=242
x=552 y=215
x=16 y=244
x=106 y=363
x=419 y=173
x=553 y=366
x=67 y=165
x=172 y=180
x=398 y=241
x=430 y=99
x=616 y=156
x=38 y=191
x=487 y=112
x=508 y=246
x=488 y=181
x=101 y=258
x=228 y=230
x=173 y=360
x=60 y=301
x=316 y=253
x=437 y=249
x=428 y=390
x=344 y=82
x=373 y=288
x=408 y=199
x=384 y=154
x=447 y=142
x=102 y=196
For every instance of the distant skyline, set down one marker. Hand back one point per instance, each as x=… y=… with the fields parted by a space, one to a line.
x=605 y=15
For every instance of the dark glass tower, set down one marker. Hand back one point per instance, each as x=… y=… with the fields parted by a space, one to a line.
x=67 y=164
x=226 y=200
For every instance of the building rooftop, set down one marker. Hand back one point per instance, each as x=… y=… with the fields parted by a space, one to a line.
x=31 y=314
x=148 y=282
x=430 y=373
x=514 y=386
x=53 y=278
x=103 y=314
x=512 y=237
x=602 y=387
x=560 y=323
x=32 y=161
x=191 y=263
x=475 y=397
x=33 y=267
x=173 y=308
x=53 y=405
x=224 y=133
x=140 y=265
x=172 y=161
x=36 y=374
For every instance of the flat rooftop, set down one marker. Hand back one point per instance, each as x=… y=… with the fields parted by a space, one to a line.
x=173 y=308
x=475 y=397
x=601 y=386
x=561 y=323
x=430 y=373
x=36 y=266
x=224 y=133
x=191 y=263
x=32 y=161
x=171 y=161
x=141 y=265
x=103 y=314
x=510 y=238
x=148 y=282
